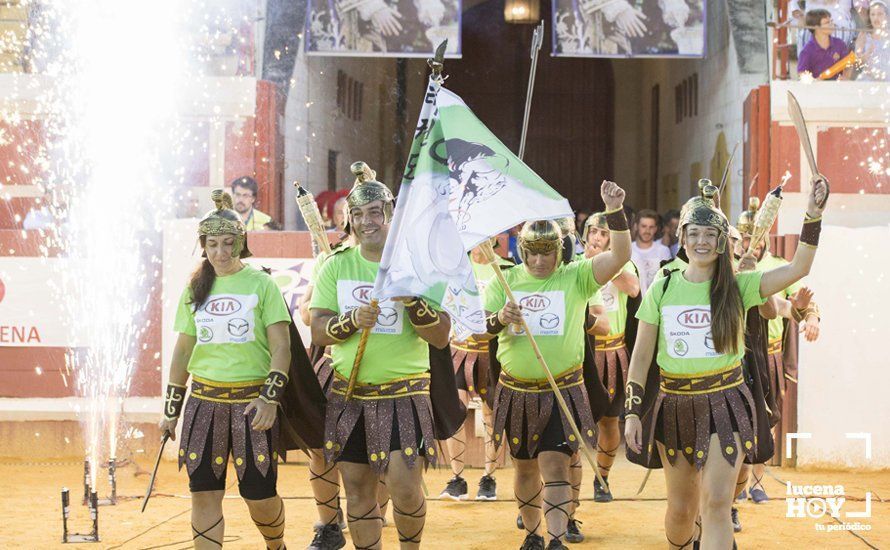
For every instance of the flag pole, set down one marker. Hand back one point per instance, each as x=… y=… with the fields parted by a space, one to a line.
x=537 y=42
x=436 y=64
x=582 y=445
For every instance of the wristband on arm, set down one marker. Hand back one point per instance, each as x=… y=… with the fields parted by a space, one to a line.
x=174 y=398
x=809 y=234
x=342 y=326
x=633 y=402
x=273 y=387
x=493 y=325
x=421 y=314
x=616 y=220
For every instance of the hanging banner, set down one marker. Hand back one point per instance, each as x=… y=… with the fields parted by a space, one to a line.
x=382 y=28
x=30 y=316
x=629 y=28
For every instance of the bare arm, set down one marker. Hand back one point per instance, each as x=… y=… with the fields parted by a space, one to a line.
x=279 y=346
x=601 y=326
x=627 y=283
x=305 y=314
x=769 y=309
x=437 y=335
x=644 y=350
x=608 y=264
x=182 y=353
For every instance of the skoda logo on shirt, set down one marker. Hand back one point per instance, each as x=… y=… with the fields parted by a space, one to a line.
x=387 y=317
x=549 y=320
x=205 y=335
x=681 y=348
x=535 y=302
x=238 y=327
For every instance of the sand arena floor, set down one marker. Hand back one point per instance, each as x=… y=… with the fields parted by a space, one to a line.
x=31 y=511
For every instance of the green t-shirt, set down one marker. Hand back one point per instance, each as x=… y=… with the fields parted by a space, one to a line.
x=555 y=309
x=316 y=267
x=394 y=349
x=776 y=326
x=683 y=317
x=615 y=303
x=230 y=328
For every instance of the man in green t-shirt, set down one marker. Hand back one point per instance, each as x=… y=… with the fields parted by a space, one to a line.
x=552 y=304
x=387 y=422
x=611 y=351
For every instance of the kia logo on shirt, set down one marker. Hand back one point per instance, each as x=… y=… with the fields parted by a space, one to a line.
x=238 y=327
x=222 y=306
x=387 y=317
x=362 y=293
x=695 y=318
x=535 y=302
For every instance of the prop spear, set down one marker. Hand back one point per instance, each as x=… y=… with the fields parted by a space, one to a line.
x=154 y=473
x=537 y=42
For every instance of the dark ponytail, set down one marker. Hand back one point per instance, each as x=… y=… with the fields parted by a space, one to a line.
x=727 y=309
x=201 y=283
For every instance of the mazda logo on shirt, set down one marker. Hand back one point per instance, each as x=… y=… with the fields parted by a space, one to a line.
x=238 y=327
x=387 y=317
x=549 y=320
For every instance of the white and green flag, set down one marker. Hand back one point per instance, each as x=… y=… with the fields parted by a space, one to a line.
x=461 y=186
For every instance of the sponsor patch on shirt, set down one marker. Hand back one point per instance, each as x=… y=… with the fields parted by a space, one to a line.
x=226 y=319
x=353 y=294
x=544 y=312
x=687 y=332
x=610 y=297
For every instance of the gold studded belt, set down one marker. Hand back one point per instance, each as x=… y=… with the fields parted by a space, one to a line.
x=705 y=382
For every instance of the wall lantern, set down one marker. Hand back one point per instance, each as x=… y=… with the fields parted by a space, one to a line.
x=522 y=11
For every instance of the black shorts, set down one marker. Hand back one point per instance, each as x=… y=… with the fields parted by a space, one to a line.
x=553 y=437
x=252 y=485
x=356 y=448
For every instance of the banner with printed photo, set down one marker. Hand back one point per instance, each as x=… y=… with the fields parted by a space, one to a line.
x=382 y=28
x=629 y=28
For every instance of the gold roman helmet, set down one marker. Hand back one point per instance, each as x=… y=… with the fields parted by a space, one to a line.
x=367 y=189
x=702 y=210
x=223 y=220
x=540 y=237
x=598 y=220
x=745 y=222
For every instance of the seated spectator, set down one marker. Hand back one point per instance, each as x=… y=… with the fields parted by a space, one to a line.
x=823 y=50
x=244 y=195
x=873 y=46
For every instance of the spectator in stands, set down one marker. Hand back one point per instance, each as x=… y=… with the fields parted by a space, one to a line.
x=646 y=252
x=842 y=14
x=339 y=214
x=873 y=46
x=581 y=217
x=669 y=234
x=245 y=191
x=823 y=50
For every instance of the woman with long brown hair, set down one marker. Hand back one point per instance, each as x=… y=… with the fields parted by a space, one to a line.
x=234 y=343
x=703 y=422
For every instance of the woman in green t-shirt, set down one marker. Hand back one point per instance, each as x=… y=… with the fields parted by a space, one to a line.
x=704 y=409
x=234 y=342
